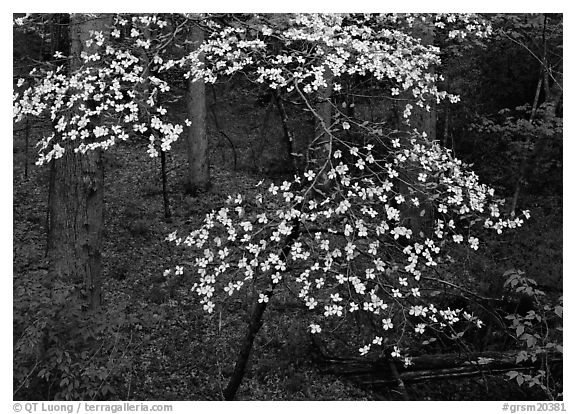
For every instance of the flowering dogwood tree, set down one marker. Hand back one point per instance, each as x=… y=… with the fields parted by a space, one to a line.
x=111 y=91
x=342 y=233
x=339 y=234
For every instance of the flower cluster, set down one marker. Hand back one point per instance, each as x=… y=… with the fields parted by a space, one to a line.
x=355 y=251
x=304 y=50
x=110 y=97
x=117 y=91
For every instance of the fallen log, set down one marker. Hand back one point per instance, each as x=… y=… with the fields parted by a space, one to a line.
x=432 y=367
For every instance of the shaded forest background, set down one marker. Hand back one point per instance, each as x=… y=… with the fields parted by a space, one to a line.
x=151 y=341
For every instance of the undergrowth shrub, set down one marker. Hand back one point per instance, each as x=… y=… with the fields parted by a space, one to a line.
x=63 y=351
x=537 y=330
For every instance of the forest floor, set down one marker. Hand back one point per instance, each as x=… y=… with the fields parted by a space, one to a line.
x=169 y=349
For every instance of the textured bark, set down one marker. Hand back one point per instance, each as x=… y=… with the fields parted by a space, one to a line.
x=288 y=135
x=76 y=202
x=324 y=110
x=424 y=122
x=257 y=161
x=220 y=130
x=76 y=222
x=322 y=138
x=421 y=119
x=446 y=133
x=198 y=168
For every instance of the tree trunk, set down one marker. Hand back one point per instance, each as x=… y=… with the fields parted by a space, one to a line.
x=423 y=120
x=254 y=326
x=255 y=322
x=324 y=110
x=213 y=107
x=257 y=155
x=76 y=202
x=76 y=222
x=288 y=135
x=198 y=169
x=322 y=143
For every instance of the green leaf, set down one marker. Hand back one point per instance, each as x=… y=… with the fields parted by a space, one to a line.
x=512 y=374
x=522 y=356
x=560 y=348
x=530 y=341
x=558 y=310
